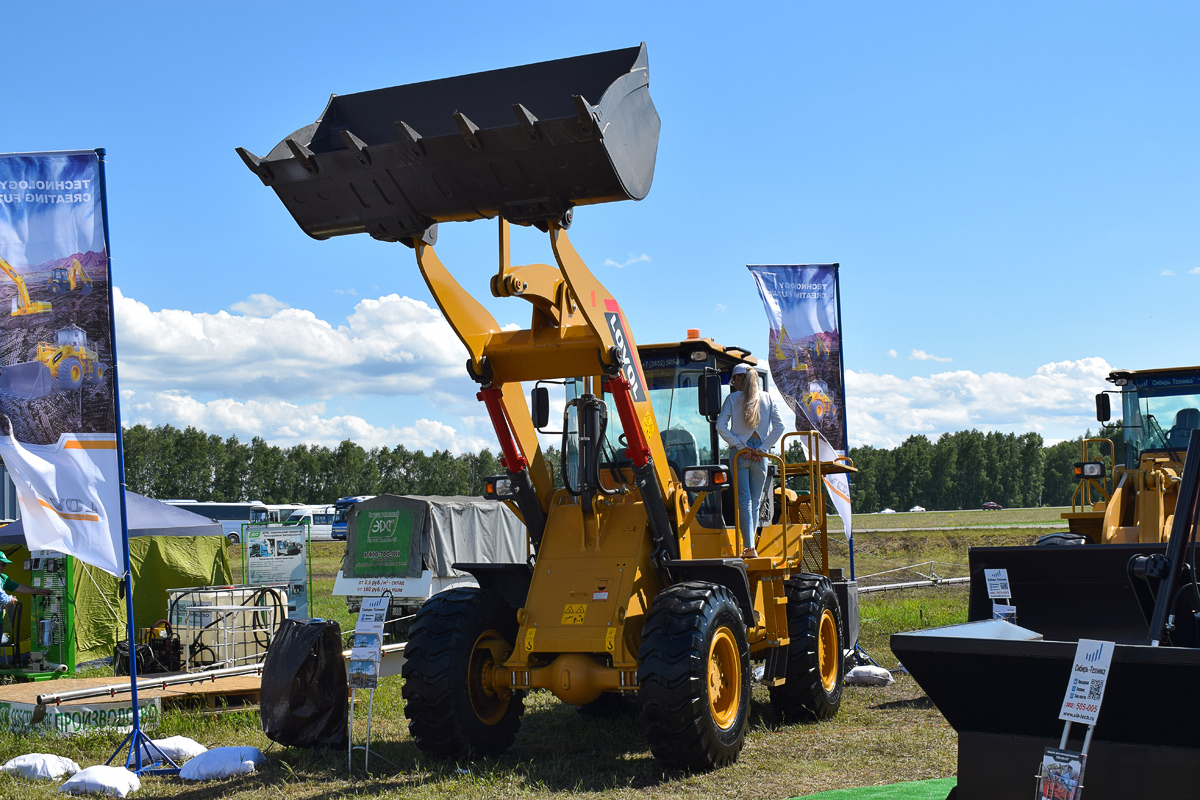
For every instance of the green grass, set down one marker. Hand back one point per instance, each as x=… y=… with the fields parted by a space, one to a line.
x=970 y=518
x=881 y=735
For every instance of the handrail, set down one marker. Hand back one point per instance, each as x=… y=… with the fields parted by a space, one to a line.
x=737 y=507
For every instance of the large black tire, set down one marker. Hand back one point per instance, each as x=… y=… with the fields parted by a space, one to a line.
x=816 y=669
x=70 y=373
x=694 y=678
x=1063 y=539
x=452 y=707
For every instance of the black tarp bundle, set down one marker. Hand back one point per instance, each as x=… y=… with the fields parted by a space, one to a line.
x=303 y=697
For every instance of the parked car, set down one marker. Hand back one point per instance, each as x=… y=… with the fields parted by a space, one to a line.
x=990 y=506
x=888 y=511
x=915 y=509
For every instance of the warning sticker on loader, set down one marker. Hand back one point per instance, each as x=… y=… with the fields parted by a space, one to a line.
x=573 y=613
x=610 y=639
x=529 y=634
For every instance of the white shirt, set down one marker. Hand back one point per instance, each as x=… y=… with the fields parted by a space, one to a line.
x=732 y=427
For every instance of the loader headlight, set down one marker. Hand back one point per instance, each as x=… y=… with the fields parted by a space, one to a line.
x=706 y=478
x=500 y=487
x=1089 y=469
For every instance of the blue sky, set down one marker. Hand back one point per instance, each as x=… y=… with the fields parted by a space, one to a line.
x=1011 y=190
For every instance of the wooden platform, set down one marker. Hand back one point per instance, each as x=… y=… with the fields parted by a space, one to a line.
x=235 y=692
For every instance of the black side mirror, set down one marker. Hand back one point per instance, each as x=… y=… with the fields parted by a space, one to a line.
x=1103 y=409
x=541 y=407
x=710 y=395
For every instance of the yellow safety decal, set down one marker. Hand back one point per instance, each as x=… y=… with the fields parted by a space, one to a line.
x=573 y=613
x=529 y=634
x=610 y=639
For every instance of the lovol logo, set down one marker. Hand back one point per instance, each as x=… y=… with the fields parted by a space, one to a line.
x=630 y=370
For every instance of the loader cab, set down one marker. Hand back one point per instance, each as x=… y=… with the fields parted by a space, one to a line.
x=1159 y=411
x=673 y=374
x=71 y=336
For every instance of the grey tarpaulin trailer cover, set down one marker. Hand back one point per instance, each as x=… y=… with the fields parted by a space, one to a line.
x=432 y=534
x=441 y=532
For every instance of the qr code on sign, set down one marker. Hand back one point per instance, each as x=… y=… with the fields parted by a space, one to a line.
x=1095 y=689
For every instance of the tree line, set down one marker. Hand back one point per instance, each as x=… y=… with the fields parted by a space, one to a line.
x=959 y=470
x=969 y=468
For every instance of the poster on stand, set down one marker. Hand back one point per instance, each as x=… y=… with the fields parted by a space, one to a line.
x=279 y=554
x=805 y=357
x=58 y=422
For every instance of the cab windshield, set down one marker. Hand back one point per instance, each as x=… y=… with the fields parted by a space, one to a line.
x=673 y=390
x=1160 y=413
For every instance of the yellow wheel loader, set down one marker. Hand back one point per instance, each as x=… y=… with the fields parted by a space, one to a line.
x=1135 y=500
x=633 y=586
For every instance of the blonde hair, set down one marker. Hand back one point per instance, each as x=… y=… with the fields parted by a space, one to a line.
x=751 y=413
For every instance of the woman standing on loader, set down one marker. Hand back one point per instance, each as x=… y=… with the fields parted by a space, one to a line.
x=749 y=420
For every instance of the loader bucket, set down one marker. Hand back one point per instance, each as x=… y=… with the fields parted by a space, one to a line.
x=1000 y=686
x=26 y=381
x=526 y=143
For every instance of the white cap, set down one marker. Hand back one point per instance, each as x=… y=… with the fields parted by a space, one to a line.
x=741 y=369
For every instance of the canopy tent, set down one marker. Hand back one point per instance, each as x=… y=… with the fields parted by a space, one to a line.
x=169 y=548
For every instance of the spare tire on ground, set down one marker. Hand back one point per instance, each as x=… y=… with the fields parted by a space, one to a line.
x=302 y=702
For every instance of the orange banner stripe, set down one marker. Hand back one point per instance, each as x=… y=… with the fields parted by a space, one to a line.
x=75 y=444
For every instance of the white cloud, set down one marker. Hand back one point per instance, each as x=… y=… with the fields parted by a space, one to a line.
x=259 y=305
x=608 y=262
x=1057 y=401
x=720 y=307
x=1167 y=272
x=391 y=346
x=285 y=424
x=1194 y=271
x=892 y=353
x=921 y=355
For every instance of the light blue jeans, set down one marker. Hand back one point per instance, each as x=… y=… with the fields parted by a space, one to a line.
x=751 y=475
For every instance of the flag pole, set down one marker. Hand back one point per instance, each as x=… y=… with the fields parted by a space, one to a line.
x=837 y=296
x=136 y=737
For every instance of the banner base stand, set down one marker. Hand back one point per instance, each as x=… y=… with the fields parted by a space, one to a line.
x=136 y=741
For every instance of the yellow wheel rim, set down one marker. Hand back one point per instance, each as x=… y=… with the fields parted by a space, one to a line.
x=76 y=373
x=827 y=650
x=490 y=651
x=724 y=678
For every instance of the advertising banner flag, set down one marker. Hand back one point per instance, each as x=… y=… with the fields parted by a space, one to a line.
x=58 y=420
x=805 y=356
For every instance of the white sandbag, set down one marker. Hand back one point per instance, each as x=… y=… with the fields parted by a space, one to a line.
x=221 y=762
x=116 y=781
x=176 y=748
x=41 y=765
x=869 y=675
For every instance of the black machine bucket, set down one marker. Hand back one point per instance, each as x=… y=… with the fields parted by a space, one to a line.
x=526 y=143
x=1001 y=685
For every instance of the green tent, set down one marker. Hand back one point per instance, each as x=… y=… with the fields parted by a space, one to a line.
x=169 y=548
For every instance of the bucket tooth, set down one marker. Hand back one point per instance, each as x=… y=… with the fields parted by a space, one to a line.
x=302 y=154
x=257 y=165
x=527 y=121
x=468 y=129
x=410 y=139
x=587 y=114
x=356 y=146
